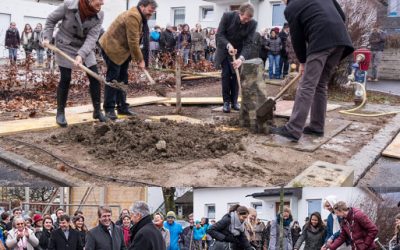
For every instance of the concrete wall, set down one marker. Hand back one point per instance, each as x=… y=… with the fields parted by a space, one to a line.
x=121 y=196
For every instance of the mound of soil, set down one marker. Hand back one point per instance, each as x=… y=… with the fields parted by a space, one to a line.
x=135 y=141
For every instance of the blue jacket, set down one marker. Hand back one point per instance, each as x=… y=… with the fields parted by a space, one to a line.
x=175 y=230
x=198 y=233
x=329 y=227
x=2 y=237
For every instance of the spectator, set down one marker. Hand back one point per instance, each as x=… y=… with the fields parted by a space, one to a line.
x=187 y=241
x=17 y=212
x=59 y=212
x=27 y=40
x=106 y=235
x=275 y=231
x=5 y=219
x=333 y=221
x=314 y=234
x=284 y=62
x=78 y=212
x=396 y=237
x=155 y=43
x=184 y=43
x=207 y=238
x=320 y=40
x=235 y=33
x=12 y=42
x=126 y=229
x=65 y=238
x=37 y=222
x=250 y=225
x=377 y=42
x=124 y=212
x=295 y=231
x=79 y=225
x=45 y=234
x=158 y=220
x=258 y=230
x=274 y=47
x=37 y=37
x=263 y=53
x=28 y=222
x=355 y=226
x=211 y=45
x=229 y=232
x=175 y=230
x=198 y=234
x=145 y=234
x=198 y=40
x=21 y=237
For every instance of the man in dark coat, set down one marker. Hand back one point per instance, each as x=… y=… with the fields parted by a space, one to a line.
x=284 y=60
x=235 y=33
x=377 y=41
x=107 y=235
x=320 y=40
x=355 y=226
x=65 y=238
x=144 y=233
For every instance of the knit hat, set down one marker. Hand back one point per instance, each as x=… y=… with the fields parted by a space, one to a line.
x=331 y=199
x=197 y=222
x=171 y=214
x=36 y=218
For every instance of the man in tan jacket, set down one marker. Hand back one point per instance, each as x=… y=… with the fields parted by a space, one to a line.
x=120 y=45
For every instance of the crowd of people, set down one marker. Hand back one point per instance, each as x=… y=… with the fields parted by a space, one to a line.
x=239 y=229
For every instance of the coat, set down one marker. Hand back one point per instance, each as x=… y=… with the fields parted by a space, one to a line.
x=122 y=39
x=274 y=46
x=98 y=238
x=230 y=30
x=220 y=231
x=283 y=36
x=377 y=41
x=12 y=38
x=175 y=231
x=74 y=37
x=59 y=242
x=167 y=41
x=274 y=237
x=313 y=240
x=187 y=242
x=315 y=26
x=44 y=238
x=198 y=41
x=359 y=228
x=12 y=242
x=146 y=236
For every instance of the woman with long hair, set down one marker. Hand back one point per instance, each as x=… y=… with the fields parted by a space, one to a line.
x=126 y=229
x=79 y=225
x=229 y=232
x=184 y=43
x=314 y=233
x=37 y=37
x=44 y=234
x=27 y=40
x=275 y=231
x=296 y=231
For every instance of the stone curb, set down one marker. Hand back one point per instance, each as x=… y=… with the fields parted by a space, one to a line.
x=63 y=179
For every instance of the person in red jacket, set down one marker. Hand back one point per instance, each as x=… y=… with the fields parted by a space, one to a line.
x=355 y=226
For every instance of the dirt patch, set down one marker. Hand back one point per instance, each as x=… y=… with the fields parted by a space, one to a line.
x=139 y=141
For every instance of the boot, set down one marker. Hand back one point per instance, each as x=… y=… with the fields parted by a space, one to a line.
x=62 y=95
x=95 y=93
x=226 y=108
x=97 y=114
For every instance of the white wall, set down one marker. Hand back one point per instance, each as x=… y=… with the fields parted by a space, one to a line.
x=221 y=197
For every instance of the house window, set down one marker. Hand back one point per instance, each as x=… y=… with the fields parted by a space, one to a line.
x=258 y=207
x=314 y=206
x=394 y=8
x=179 y=16
x=278 y=18
x=207 y=13
x=210 y=211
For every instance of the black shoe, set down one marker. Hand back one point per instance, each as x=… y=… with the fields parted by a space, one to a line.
x=97 y=114
x=60 y=119
x=111 y=115
x=236 y=106
x=226 y=108
x=282 y=131
x=126 y=111
x=309 y=131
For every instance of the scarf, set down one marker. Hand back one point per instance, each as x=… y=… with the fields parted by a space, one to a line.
x=86 y=10
x=145 y=38
x=286 y=222
x=127 y=235
x=26 y=37
x=236 y=227
x=22 y=243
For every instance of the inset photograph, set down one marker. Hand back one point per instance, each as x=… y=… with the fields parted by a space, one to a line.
x=186 y=218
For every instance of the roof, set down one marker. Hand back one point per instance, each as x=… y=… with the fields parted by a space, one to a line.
x=272 y=192
x=187 y=198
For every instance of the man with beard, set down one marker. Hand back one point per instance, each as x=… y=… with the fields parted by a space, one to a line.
x=120 y=45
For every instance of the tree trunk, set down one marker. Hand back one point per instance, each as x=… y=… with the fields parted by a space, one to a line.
x=169 y=195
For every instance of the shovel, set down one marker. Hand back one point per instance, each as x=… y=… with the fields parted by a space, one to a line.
x=113 y=84
x=266 y=111
x=157 y=88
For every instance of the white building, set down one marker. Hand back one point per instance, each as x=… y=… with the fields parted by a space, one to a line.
x=215 y=202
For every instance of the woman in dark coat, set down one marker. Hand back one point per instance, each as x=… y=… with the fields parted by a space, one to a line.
x=296 y=231
x=12 y=42
x=78 y=33
x=44 y=234
x=229 y=232
x=313 y=235
x=79 y=225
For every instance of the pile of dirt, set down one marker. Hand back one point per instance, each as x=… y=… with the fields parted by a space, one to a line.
x=135 y=141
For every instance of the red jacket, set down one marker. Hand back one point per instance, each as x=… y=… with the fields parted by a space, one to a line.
x=359 y=228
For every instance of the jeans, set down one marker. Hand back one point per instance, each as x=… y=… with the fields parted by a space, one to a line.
x=376 y=60
x=274 y=61
x=186 y=53
x=40 y=55
x=12 y=54
x=114 y=96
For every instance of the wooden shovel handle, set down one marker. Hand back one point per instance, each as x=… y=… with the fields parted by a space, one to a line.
x=83 y=67
x=151 y=80
x=287 y=87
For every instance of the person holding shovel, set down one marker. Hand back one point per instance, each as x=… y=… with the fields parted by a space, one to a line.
x=78 y=33
x=120 y=45
x=320 y=40
x=235 y=33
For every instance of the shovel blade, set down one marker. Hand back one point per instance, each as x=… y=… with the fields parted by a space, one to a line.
x=266 y=111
